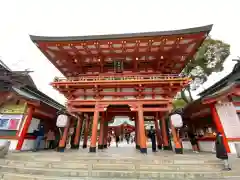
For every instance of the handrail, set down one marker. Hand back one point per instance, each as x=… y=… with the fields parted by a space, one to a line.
x=118 y=78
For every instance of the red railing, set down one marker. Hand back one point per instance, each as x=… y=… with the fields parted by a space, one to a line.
x=121 y=78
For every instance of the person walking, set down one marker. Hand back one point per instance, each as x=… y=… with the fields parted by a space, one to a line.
x=109 y=139
x=117 y=140
x=221 y=152
x=193 y=141
x=40 y=136
x=152 y=136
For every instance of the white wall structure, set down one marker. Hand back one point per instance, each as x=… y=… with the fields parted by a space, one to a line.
x=229 y=119
x=231 y=125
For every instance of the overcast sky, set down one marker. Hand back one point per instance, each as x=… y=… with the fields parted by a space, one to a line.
x=19 y=18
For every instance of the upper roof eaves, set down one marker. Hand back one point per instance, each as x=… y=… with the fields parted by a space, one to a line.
x=206 y=29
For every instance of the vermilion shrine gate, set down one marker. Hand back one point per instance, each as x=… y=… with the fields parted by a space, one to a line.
x=133 y=75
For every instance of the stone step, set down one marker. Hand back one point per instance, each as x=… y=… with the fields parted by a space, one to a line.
x=112 y=166
x=94 y=159
x=48 y=172
x=45 y=160
x=11 y=176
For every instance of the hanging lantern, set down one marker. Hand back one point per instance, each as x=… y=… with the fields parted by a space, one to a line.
x=176 y=120
x=62 y=120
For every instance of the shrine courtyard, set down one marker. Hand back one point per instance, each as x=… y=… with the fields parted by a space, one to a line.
x=124 y=162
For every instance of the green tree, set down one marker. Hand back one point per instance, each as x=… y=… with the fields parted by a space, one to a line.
x=208 y=59
x=179 y=103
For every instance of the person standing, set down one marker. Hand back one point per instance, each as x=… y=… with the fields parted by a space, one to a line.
x=40 y=135
x=117 y=140
x=109 y=139
x=193 y=141
x=50 y=139
x=152 y=136
x=221 y=152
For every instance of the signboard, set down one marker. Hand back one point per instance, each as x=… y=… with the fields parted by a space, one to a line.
x=176 y=120
x=62 y=120
x=10 y=122
x=12 y=109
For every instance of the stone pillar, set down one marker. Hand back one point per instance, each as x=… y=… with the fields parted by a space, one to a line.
x=86 y=130
x=26 y=125
x=94 y=131
x=101 y=136
x=78 y=132
x=141 y=129
x=62 y=142
x=158 y=132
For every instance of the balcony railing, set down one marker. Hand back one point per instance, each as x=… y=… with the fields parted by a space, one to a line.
x=121 y=78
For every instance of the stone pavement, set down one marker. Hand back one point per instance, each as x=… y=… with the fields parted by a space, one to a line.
x=119 y=163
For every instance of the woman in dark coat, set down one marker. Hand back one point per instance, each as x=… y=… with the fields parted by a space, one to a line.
x=193 y=141
x=221 y=152
x=117 y=140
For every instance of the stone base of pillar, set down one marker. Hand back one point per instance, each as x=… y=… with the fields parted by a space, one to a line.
x=167 y=148
x=159 y=147
x=74 y=146
x=105 y=146
x=61 y=149
x=84 y=146
x=137 y=146
x=100 y=146
x=92 y=149
x=179 y=150
x=143 y=150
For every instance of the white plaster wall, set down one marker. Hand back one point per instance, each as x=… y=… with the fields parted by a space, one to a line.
x=229 y=119
x=206 y=146
x=158 y=97
x=232 y=146
x=28 y=144
x=128 y=90
x=109 y=90
x=129 y=97
x=89 y=97
x=108 y=97
x=34 y=125
x=80 y=97
x=148 y=97
x=147 y=90
x=186 y=145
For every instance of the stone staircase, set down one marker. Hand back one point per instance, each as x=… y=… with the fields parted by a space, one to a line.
x=104 y=165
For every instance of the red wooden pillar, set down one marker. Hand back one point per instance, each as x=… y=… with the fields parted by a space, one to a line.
x=101 y=136
x=136 y=133
x=177 y=143
x=141 y=128
x=166 y=145
x=94 y=131
x=78 y=132
x=63 y=140
x=158 y=132
x=219 y=126
x=25 y=127
x=105 y=133
x=86 y=128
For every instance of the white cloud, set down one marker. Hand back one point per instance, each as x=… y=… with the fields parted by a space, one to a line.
x=77 y=17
